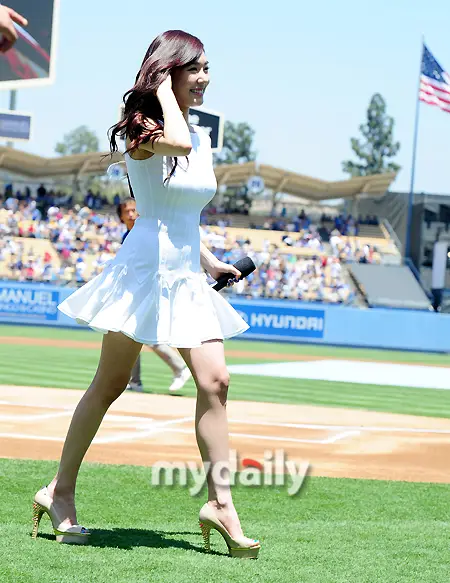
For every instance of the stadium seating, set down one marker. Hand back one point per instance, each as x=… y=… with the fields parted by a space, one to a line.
x=33 y=250
x=258 y=222
x=311 y=264
x=258 y=237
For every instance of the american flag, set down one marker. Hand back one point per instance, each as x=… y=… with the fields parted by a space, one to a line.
x=434 y=82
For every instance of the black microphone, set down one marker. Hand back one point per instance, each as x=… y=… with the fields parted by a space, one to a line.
x=244 y=265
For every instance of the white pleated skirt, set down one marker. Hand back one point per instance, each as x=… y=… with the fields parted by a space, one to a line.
x=178 y=309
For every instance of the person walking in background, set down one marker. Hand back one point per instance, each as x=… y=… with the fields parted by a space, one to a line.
x=126 y=211
x=8 y=32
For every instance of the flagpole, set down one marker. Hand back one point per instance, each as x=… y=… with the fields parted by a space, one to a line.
x=413 y=168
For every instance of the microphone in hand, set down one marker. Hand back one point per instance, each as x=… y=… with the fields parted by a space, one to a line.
x=244 y=265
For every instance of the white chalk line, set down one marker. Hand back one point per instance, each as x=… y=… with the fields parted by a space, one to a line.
x=337 y=427
x=326 y=441
x=258 y=436
x=159 y=427
x=340 y=436
x=118 y=417
x=120 y=438
x=116 y=438
x=166 y=427
x=64 y=411
x=29 y=436
x=35 y=417
x=149 y=427
x=362 y=428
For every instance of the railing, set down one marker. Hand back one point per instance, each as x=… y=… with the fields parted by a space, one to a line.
x=392 y=234
x=416 y=273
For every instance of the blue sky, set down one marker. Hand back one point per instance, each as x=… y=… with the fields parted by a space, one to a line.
x=301 y=74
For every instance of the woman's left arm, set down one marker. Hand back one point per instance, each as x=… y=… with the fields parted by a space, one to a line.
x=213 y=266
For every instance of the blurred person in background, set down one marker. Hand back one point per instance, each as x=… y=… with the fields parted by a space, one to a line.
x=127 y=214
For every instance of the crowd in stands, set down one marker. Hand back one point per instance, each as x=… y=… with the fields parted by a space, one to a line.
x=228 y=209
x=23 y=266
x=335 y=240
x=338 y=245
x=346 y=225
x=294 y=278
x=41 y=200
x=83 y=240
x=80 y=236
x=282 y=275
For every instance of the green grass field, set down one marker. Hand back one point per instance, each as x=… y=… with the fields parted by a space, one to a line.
x=74 y=368
x=333 y=531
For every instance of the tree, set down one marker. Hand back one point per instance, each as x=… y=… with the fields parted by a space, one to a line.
x=237 y=149
x=79 y=141
x=378 y=145
x=237 y=144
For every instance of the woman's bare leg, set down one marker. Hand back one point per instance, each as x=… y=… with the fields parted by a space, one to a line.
x=208 y=367
x=118 y=355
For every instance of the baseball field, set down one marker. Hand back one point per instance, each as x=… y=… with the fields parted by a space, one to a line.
x=373 y=428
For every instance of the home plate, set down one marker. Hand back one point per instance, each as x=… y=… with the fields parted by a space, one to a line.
x=351 y=371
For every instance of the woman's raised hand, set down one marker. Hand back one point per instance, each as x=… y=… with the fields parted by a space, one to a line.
x=165 y=86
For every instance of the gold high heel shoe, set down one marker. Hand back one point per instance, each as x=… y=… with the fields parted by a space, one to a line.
x=236 y=547
x=64 y=534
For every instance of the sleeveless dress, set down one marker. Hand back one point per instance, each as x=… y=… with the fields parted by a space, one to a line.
x=154 y=290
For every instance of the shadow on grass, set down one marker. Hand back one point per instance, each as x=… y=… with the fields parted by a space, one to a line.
x=130 y=538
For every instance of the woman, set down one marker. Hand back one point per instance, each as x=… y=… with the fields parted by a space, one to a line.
x=154 y=291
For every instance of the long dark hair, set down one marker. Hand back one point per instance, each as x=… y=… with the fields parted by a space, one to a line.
x=169 y=51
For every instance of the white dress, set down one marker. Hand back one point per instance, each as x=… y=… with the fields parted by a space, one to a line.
x=154 y=290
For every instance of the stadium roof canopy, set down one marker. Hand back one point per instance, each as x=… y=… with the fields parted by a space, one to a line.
x=39 y=168
x=276 y=179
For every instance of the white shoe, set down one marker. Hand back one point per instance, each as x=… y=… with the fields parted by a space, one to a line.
x=180 y=380
x=135 y=387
